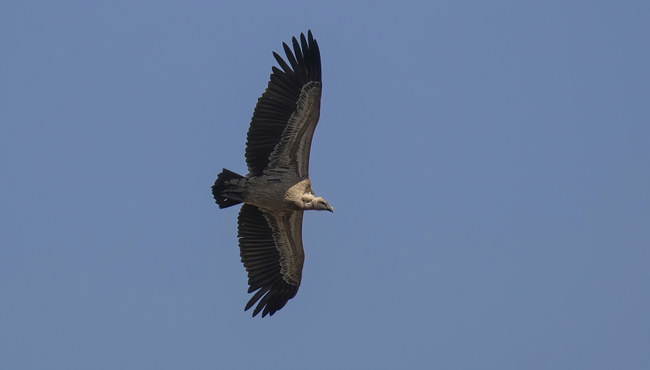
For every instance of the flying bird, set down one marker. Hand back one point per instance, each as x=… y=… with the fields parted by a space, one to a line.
x=276 y=191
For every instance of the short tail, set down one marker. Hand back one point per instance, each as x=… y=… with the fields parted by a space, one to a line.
x=224 y=191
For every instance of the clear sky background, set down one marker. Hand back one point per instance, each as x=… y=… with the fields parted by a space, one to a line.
x=488 y=163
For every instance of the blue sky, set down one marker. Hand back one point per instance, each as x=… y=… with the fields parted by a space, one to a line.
x=488 y=162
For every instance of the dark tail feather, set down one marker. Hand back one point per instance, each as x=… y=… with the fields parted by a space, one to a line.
x=222 y=191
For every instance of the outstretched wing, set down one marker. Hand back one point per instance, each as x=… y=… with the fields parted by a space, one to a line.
x=270 y=245
x=286 y=115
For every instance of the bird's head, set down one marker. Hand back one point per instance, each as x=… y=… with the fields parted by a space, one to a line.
x=319 y=204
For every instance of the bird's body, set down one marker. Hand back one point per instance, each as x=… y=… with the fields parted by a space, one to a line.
x=277 y=189
x=287 y=193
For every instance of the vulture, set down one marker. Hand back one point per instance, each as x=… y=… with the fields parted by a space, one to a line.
x=276 y=191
